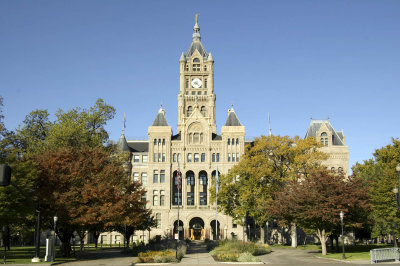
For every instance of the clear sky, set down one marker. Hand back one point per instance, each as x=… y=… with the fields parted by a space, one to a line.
x=293 y=59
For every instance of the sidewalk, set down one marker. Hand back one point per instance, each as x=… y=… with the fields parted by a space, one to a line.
x=197 y=254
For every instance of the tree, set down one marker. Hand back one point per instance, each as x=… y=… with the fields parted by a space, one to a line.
x=381 y=171
x=264 y=169
x=315 y=202
x=86 y=187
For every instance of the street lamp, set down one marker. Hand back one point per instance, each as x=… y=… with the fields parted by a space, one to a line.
x=341 y=220
x=394 y=225
x=55 y=218
x=267 y=223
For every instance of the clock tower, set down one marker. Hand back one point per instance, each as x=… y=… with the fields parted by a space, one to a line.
x=196 y=92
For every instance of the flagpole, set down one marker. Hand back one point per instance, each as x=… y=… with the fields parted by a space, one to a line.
x=216 y=204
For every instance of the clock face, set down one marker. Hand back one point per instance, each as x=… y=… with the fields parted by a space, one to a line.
x=196 y=83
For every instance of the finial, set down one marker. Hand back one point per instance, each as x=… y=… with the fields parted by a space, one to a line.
x=196 y=30
x=311 y=117
x=197 y=16
x=123 y=128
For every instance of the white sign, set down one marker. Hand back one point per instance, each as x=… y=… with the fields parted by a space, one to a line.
x=176 y=236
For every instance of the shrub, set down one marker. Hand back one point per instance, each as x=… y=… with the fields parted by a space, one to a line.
x=247 y=257
x=226 y=256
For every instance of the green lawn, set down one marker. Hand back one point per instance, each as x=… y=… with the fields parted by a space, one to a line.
x=358 y=252
x=24 y=255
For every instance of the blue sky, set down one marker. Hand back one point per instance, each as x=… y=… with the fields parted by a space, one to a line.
x=293 y=59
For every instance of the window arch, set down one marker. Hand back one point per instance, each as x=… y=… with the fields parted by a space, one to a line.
x=203 y=110
x=189 y=110
x=324 y=139
x=196 y=60
x=333 y=170
x=340 y=170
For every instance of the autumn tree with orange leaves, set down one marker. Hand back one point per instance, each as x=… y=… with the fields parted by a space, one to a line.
x=87 y=188
x=315 y=202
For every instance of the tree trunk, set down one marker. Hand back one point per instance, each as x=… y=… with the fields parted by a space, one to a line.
x=96 y=235
x=128 y=236
x=262 y=234
x=82 y=234
x=322 y=237
x=293 y=234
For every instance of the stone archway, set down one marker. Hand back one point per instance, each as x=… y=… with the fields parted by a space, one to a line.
x=213 y=232
x=196 y=227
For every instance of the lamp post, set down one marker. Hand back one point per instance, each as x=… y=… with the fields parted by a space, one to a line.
x=55 y=218
x=397 y=198
x=243 y=224
x=267 y=223
x=341 y=220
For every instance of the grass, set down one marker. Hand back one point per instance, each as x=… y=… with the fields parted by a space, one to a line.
x=301 y=247
x=24 y=255
x=359 y=252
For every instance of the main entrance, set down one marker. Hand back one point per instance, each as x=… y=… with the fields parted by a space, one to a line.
x=196 y=226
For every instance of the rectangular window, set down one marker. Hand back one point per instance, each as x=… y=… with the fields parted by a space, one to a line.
x=144 y=197
x=187 y=84
x=163 y=142
x=196 y=67
x=203 y=157
x=162 y=176
x=190 y=198
x=174 y=157
x=196 y=158
x=189 y=157
x=158 y=220
x=233 y=157
x=135 y=177
x=177 y=196
x=154 y=157
x=163 y=157
x=155 y=176
x=136 y=158
x=203 y=198
x=159 y=157
x=205 y=83
x=162 y=197
x=144 y=158
x=144 y=179
x=237 y=157
x=155 y=197
x=229 y=157
x=217 y=157
x=213 y=157
x=229 y=141
x=193 y=93
x=234 y=225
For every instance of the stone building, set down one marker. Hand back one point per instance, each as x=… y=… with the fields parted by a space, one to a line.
x=334 y=145
x=197 y=149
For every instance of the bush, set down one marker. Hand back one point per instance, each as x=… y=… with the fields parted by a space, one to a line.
x=157 y=256
x=247 y=257
x=226 y=256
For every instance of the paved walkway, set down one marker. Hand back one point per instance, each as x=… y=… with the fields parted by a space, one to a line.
x=197 y=254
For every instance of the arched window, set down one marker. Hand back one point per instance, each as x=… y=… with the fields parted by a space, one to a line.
x=229 y=141
x=189 y=110
x=203 y=110
x=340 y=170
x=324 y=139
x=196 y=60
x=203 y=187
x=190 y=188
x=176 y=193
x=333 y=170
x=196 y=67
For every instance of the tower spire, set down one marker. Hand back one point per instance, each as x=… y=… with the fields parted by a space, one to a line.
x=123 y=128
x=196 y=30
x=269 y=125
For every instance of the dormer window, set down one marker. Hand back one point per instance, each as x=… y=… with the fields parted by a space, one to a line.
x=324 y=139
x=196 y=67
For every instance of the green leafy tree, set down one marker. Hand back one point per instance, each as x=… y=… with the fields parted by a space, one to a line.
x=264 y=169
x=381 y=171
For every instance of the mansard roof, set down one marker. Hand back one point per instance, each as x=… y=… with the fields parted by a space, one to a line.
x=196 y=45
x=315 y=125
x=160 y=120
x=232 y=120
x=139 y=145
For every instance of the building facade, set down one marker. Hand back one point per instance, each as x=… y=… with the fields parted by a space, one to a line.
x=197 y=149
